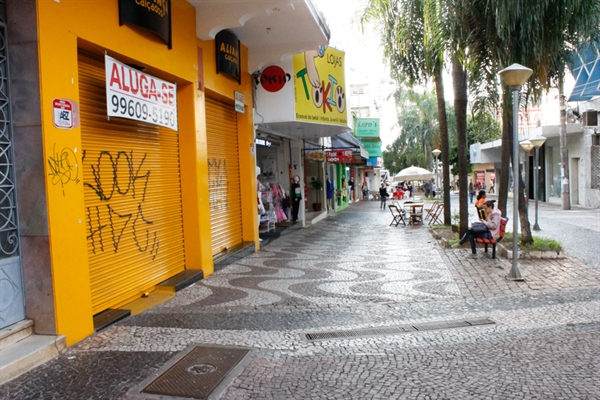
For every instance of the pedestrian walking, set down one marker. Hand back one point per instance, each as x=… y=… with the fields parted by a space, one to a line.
x=471 y=192
x=383 y=194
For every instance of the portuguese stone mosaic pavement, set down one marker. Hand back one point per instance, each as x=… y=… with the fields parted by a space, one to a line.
x=353 y=271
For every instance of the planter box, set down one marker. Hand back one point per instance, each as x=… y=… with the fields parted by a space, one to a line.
x=506 y=252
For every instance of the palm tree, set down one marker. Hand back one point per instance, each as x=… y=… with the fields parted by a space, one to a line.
x=539 y=38
x=413 y=39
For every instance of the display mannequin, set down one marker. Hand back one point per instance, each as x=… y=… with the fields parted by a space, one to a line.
x=330 y=189
x=296 y=197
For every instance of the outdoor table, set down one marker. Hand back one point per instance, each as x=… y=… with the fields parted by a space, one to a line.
x=416 y=212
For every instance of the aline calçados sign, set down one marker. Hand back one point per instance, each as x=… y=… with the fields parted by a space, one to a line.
x=319 y=84
x=135 y=95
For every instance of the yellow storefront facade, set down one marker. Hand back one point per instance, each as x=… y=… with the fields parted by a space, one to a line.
x=129 y=202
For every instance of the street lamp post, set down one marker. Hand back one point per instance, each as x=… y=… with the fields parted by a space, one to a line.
x=515 y=76
x=537 y=142
x=436 y=153
x=527 y=146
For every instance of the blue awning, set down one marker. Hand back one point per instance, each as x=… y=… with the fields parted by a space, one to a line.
x=585 y=67
x=347 y=140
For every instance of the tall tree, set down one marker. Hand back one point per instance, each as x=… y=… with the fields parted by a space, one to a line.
x=414 y=40
x=538 y=34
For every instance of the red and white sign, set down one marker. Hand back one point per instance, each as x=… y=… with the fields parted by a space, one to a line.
x=339 y=156
x=64 y=114
x=135 y=95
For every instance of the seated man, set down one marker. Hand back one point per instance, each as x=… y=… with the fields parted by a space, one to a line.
x=493 y=228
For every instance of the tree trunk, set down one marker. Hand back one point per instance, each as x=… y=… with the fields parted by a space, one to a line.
x=502 y=180
x=519 y=185
x=565 y=193
x=459 y=84
x=443 y=121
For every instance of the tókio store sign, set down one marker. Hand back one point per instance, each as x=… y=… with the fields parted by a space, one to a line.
x=135 y=95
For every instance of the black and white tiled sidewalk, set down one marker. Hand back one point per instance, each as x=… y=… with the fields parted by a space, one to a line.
x=352 y=271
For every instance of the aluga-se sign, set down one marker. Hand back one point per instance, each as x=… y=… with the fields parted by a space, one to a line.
x=135 y=95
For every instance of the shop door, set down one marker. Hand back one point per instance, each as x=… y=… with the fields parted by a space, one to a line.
x=223 y=176
x=12 y=305
x=132 y=190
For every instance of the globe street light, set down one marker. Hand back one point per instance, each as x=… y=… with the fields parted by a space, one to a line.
x=515 y=76
x=527 y=146
x=436 y=153
x=537 y=142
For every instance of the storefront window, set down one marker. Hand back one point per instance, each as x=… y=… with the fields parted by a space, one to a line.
x=555 y=188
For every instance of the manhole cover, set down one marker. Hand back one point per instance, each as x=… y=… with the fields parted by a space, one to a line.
x=198 y=373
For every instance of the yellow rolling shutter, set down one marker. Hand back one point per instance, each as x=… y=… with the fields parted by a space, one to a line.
x=223 y=176
x=132 y=192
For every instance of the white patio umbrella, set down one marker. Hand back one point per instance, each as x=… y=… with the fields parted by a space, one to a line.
x=413 y=174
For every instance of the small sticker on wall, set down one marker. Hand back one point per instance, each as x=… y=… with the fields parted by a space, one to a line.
x=65 y=114
x=239 y=102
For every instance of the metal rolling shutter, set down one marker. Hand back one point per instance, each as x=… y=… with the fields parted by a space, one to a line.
x=223 y=176
x=132 y=189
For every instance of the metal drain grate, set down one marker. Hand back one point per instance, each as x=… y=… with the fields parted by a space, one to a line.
x=349 y=334
x=198 y=373
x=393 y=330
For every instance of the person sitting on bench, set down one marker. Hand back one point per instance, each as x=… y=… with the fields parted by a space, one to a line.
x=491 y=228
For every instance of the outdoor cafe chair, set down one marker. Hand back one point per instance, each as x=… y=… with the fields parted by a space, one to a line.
x=397 y=215
x=431 y=209
x=436 y=214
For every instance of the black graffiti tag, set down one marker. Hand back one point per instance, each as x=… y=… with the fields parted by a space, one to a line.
x=117 y=173
x=217 y=184
x=63 y=167
x=117 y=176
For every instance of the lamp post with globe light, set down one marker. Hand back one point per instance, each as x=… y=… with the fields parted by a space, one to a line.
x=527 y=146
x=537 y=142
x=436 y=153
x=515 y=76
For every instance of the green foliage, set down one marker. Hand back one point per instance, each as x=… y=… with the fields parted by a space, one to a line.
x=455 y=219
x=317 y=184
x=539 y=243
x=419 y=131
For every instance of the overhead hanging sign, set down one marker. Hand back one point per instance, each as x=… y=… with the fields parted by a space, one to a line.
x=320 y=87
x=132 y=94
x=339 y=156
x=374 y=148
x=154 y=15
x=367 y=127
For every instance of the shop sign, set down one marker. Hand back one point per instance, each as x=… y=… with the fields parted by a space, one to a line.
x=374 y=148
x=264 y=142
x=339 y=156
x=320 y=87
x=154 y=15
x=367 y=127
x=373 y=162
x=315 y=155
x=65 y=114
x=239 y=102
x=356 y=159
x=273 y=78
x=228 y=54
x=135 y=95
x=480 y=178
